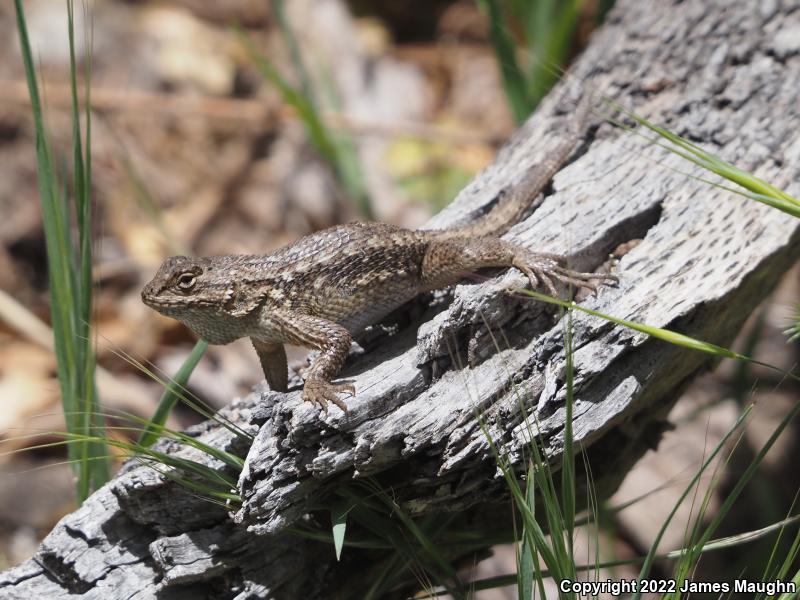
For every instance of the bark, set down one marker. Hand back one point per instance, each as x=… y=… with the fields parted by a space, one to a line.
x=723 y=73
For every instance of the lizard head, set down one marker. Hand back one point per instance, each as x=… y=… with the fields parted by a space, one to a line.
x=181 y=284
x=202 y=293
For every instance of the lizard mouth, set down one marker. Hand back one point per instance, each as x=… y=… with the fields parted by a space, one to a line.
x=161 y=307
x=166 y=307
x=157 y=302
x=166 y=304
x=154 y=301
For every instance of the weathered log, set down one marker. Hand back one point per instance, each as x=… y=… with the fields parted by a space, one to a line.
x=723 y=73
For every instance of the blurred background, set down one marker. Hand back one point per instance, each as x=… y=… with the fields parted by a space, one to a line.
x=199 y=148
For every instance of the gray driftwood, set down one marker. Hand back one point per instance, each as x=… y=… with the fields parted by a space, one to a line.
x=724 y=73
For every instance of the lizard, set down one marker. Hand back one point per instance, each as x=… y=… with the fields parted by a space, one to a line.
x=321 y=290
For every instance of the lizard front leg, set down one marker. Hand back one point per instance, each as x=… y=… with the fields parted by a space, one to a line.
x=272 y=356
x=333 y=342
x=447 y=260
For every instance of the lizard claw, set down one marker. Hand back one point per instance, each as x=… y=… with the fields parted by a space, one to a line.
x=319 y=391
x=545 y=268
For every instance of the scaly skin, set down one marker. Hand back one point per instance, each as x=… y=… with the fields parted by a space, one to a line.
x=322 y=289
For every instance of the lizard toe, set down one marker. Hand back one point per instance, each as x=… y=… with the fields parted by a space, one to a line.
x=589 y=281
x=545 y=269
x=346 y=387
x=322 y=392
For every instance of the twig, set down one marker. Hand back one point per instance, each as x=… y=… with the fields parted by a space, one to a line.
x=240 y=110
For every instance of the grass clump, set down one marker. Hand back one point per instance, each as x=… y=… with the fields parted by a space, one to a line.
x=337 y=149
x=530 y=62
x=69 y=264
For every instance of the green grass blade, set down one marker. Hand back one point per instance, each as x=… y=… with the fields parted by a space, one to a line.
x=672 y=337
x=69 y=273
x=745 y=477
x=555 y=554
x=792 y=595
x=548 y=30
x=725 y=543
x=531 y=527
x=425 y=542
x=201 y=478
x=788 y=206
x=381 y=583
x=757 y=189
x=97 y=471
x=552 y=44
x=231 y=460
x=539 y=20
x=204 y=491
x=525 y=571
x=306 y=111
x=338 y=152
x=52 y=215
x=80 y=192
x=651 y=555
x=528 y=15
x=788 y=562
x=171 y=394
x=306 y=89
x=348 y=163
x=505 y=50
x=780 y=571
x=568 y=455
x=719 y=166
x=531 y=534
x=339 y=526
x=187 y=397
x=325 y=537
x=693 y=549
x=400 y=530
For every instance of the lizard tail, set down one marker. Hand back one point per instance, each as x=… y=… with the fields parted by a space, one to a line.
x=512 y=203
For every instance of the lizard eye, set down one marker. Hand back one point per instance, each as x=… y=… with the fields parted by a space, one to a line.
x=186 y=281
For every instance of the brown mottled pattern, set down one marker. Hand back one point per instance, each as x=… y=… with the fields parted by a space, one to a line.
x=321 y=289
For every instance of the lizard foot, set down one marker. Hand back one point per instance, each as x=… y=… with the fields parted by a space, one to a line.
x=318 y=391
x=544 y=269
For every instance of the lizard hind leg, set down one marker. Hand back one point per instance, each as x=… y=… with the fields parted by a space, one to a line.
x=446 y=260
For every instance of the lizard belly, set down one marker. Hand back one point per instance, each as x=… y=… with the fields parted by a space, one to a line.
x=376 y=304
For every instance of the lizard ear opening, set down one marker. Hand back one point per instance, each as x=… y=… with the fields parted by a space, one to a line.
x=240 y=302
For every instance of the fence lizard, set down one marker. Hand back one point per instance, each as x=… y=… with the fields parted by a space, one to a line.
x=322 y=289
